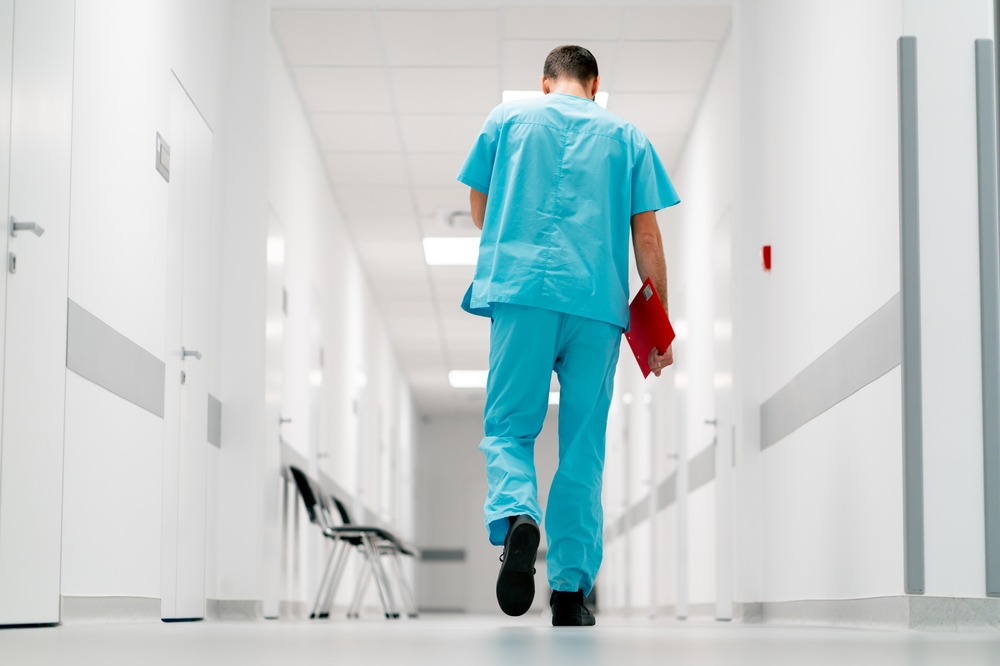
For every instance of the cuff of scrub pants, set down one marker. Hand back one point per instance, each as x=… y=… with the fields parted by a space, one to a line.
x=498 y=530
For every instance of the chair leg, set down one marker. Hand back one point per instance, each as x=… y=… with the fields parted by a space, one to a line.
x=380 y=583
x=404 y=587
x=338 y=574
x=354 y=609
x=322 y=583
x=331 y=587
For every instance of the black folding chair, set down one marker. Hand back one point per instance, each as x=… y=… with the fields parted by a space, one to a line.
x=389 y=545
x=371 y=542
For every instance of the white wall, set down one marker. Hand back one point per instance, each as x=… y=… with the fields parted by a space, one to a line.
x=330 y=308
x=820 y=127
x=683 y=398
x=265 y=163
x=818 y=515
x=124 y=55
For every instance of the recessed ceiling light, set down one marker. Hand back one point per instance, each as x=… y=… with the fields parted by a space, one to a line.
x=468 y=378
x=512 y=95
x=451 y=250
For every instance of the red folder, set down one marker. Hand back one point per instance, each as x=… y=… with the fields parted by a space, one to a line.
x=649 y=326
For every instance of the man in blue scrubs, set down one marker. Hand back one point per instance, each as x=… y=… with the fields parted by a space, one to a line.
x=557 y=184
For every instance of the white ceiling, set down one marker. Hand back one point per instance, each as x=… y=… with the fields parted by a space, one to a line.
x=396 y=98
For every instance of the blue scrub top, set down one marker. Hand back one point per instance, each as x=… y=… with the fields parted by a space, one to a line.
x=564 y=177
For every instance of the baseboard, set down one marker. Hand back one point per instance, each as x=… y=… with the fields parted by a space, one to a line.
x=950 y=614
x=293 y=610
x=230 y=609
x=110 y=609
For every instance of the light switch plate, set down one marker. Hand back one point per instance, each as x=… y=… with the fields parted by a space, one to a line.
x=162 y=157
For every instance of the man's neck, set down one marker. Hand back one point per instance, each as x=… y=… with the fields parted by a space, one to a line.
x=571 y=87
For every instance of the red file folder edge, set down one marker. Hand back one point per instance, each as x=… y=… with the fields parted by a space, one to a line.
x=648 y=326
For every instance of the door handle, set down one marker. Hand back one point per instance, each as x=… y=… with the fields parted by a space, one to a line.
x=188 y=352
x=33 y=227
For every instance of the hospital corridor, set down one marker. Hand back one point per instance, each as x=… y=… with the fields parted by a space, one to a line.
x=500 y=332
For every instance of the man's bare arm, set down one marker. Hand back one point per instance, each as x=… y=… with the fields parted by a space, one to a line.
x=477 y=203
x=652 y=264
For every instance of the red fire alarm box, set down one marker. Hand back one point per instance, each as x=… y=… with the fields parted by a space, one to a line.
x=765 y=255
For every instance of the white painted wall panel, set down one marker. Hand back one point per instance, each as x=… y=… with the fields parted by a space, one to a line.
x=825 y=90
x=111 y=512
x=819 y=183
x=832 y=502
x=701 y=549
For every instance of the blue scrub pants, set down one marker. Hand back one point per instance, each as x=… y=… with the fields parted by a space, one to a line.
x=526 y=345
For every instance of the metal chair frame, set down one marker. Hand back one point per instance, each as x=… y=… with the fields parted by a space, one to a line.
x=373 y=542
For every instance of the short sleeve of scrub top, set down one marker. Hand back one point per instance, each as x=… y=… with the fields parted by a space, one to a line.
x=651 y=188
x=478 y=168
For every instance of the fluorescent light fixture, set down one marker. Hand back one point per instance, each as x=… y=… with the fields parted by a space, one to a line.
x=451 y=250
x=553 y=397
x=273 y=329
x=468 y=378
x=513 y=95
x=275 y=250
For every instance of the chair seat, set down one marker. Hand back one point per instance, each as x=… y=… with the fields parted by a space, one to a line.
x=350 y=532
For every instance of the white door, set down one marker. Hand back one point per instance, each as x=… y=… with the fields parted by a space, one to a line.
x=723 y=379
x=36 y=95
x=274 y=333
x=185 y=443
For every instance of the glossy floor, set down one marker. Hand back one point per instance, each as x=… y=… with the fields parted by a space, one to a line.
x=445 y=640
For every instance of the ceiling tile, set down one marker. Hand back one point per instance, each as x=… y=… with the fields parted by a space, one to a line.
x=449 y=298
x=470 y=352
x=416 y=291
x=562 y=24
x=326 y=37
x=664 y=66
x=465 y=324
x=402 y=253
x=406 y=347
x=361 y=202
x=445 y=89
x=343 y=89
x=377 y=228
x=434 y=169
x=366 y=168
x=358 y=133
x=656 y=113
x=523 y=60
x=431 y=377
x=430 y=200
x=438 y=224
x=440 y=38
x=685 y=23
x=441 y=133
x=419 y=327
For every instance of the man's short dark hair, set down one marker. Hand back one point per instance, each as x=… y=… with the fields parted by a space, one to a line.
x=574 y=62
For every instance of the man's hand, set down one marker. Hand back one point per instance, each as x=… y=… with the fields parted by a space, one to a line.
x=657 y=361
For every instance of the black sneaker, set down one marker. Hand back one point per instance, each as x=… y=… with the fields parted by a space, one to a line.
x=568 y=610
x=516 y=582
